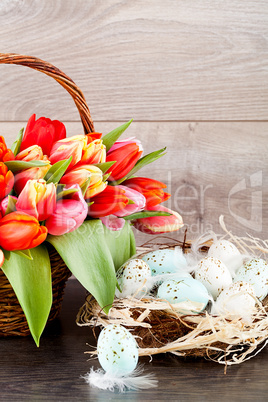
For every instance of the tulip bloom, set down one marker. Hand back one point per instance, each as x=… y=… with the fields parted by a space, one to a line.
x=113 y=223
x=43 y=132
x=159 y=224
x=126 y=154
x=37 y=199
x=33 y=173
x=136 y=197
x=83 y=150
x=69 y=214
x=33 y=153
x=2 y=258
x=6 y=180
x=5 y=153
x=151 y=189
x=109 y=201
x=20 y=231
x=72 y=146
x=94 y=152
x=79 y=175
x=4 y=204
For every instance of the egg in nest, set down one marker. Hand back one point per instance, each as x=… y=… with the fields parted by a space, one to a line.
x=255 y=272
x=214 y=275
x=132 y=277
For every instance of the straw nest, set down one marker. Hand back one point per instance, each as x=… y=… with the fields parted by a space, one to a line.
x=160 y=327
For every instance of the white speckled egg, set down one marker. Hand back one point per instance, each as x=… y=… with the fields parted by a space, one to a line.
x=228 y=253
x=255 y=272
x=183 y=289
x=117 y=350
x=166 y=261
x=131 y=277
x=214 y=275
x=236 y=299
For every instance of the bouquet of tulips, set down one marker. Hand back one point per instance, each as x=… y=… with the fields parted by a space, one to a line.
x=80 y=194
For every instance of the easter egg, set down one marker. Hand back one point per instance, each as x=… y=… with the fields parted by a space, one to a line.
x=214 y=275
x=237 y=299
x=166 y=261
x=228 y=253
x=255 y=272
x=117 y=350
x=131 y=277
x=183 y=289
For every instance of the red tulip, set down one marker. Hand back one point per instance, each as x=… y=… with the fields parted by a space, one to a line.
x=4 y=204
x=20 y=231
x=93 y=136
x=72 y=146
x=151 y=189
x=6 y=180
x=81 y=148
x=137 y=198
x=80 y=174
x=43 y=132
x=113 y=223
x=37 y=199
x=33 y=153
x=159 y=224
x=69 y=214
x=33 y=173
x=126 y=154
x=109 y=201
x=5 y=153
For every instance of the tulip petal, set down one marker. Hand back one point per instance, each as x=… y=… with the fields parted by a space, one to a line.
x=2 y=258
x=159 y=224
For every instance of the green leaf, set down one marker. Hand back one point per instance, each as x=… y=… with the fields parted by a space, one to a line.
x=67 y=192
x=31 y=281
x=121 y=244
x=15 y=166
x=56 y=171
x=85 y=186
x=110 y=138
x=15 y=147
x=6 y=254
x=145 y=160
x=105 y=177
x=24 y=253
x=145 y=214
x=88 y=257
x=105 y=166
x=11 y=205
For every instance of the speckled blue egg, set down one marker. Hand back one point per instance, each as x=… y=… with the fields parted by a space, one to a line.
x=117 y=350
x=166 y=261
x=184 y=289
x=255 y=272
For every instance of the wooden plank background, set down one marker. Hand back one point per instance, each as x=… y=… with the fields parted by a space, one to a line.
x=193 y=75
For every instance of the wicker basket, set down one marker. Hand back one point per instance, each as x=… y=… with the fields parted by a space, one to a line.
x=12 y=318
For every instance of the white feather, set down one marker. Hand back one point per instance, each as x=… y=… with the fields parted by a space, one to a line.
x=108 y=381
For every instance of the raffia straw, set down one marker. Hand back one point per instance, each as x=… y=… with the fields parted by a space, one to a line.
x=221 y=338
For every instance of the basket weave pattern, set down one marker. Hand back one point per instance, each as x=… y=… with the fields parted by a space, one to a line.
x=12 y=318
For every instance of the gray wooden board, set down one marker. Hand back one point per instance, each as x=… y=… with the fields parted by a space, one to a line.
x=210 y=169
x=153 y=60
x=53 y=372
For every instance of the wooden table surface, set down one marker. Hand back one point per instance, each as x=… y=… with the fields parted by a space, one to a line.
x=53 y=372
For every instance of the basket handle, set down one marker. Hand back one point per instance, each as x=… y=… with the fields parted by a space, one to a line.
x=60 y=77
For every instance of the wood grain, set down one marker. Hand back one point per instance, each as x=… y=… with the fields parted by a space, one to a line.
x=154 y=60
x=204 y=163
